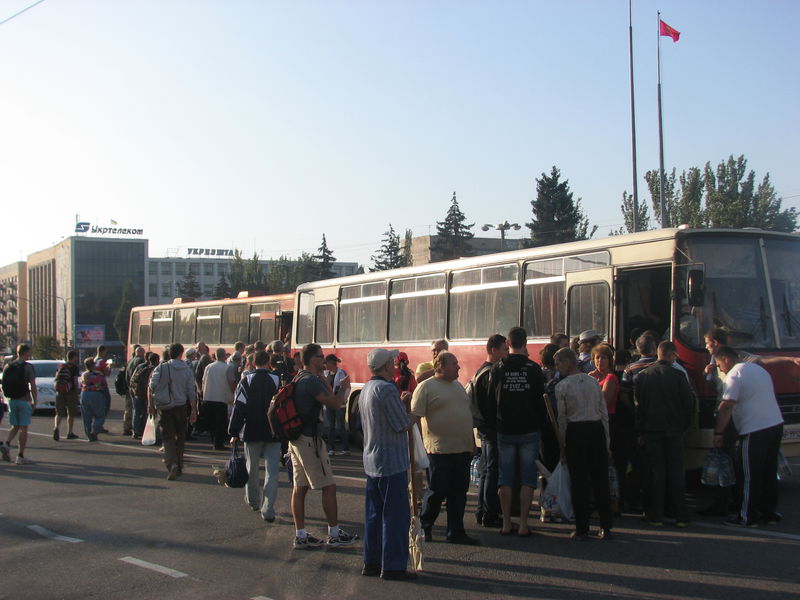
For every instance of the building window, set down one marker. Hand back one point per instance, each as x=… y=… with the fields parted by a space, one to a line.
x=166 y=268
x=153 y=290
x=194 y=268
x=152 y=268
x=208 y=269
x=208 y=290
x=166 y=289
x=180 y=269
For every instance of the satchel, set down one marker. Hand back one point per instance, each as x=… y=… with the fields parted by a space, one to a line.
x=236 y=468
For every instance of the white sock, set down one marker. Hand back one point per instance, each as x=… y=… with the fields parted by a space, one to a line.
x=301 y=533
x=333 y=530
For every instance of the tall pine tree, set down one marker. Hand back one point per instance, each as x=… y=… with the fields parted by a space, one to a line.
x=188 y=287
x=408 y=258
x=254 y=278
x=237 y=275
x=324 y=259
x=557 y=218
x=452 y=234
x=222 y=289
x=389 y=256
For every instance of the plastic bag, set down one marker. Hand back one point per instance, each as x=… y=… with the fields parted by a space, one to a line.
x=557 y=498
x=718 y=470
x=149 y=435
x=421 y=461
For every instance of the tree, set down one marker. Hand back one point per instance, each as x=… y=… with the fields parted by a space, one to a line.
x=408 y=258
x=237 y=272
x=189 y=287
x=324 y=259
x=453 y=234
x=254 y=278
x=222 y=289
x=627 y=214
x=557 y=218
x=286 y=274
x=46 y=347
x=733 y=200
x=389 y=255
x=123 y=313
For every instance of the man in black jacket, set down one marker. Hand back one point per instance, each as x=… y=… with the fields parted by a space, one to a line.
x=517 y=385
x=664 y=406
x=253 y=395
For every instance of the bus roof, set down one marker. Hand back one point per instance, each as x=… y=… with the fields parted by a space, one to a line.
x=286 y=301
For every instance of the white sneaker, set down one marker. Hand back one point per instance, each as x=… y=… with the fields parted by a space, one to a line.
x=343 y=539
x=330 y=453
x=21 y=460
x=307 y=542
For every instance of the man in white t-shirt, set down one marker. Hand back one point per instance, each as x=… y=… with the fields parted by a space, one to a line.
x=218 y=385
x=749 y=399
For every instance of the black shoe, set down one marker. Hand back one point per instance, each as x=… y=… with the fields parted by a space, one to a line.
x=56 y=434
x=92 y=437
x=103 y=430
x=740 y=522
x=72 y=436
x=371 y=570
x=428 y=534
x=771 y=518
x=492 y=522
x=579 y=537
x=464 y=539
x=604 y=534
x=128 y=432
x=399 y=575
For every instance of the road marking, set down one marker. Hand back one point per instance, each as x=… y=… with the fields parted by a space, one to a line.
x=153 y=567
x=53 y=536
x=260 y=598
x=753 y=531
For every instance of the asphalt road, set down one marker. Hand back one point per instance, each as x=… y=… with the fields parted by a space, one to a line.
x=102 y=521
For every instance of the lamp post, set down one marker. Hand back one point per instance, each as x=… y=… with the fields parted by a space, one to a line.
x=502 y=228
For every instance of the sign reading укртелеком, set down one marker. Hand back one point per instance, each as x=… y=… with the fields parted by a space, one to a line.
x=86 y=227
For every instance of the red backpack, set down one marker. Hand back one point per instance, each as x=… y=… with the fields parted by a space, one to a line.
x=63 y=380
x=284 y=420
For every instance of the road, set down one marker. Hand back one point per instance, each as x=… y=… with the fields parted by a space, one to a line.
x=101 y=521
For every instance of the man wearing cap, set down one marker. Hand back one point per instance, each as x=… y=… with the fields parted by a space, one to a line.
x=334 y=418
x=586 y=341
x=218 y=387
x=311 y=466
x=443 y=407
x=385 y=421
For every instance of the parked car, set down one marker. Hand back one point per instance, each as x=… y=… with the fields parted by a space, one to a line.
x=45 y=374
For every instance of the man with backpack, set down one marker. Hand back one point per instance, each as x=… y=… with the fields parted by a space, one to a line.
x=172 y=388
x=253 y=395
x=140 y=379
x=310 y=463
x=19 y=388
x=67 y=388
x=130 y=367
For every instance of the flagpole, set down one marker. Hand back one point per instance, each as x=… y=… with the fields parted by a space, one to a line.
x=633 y=124
x=662 y=204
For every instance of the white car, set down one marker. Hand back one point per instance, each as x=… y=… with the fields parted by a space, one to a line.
x=45 y=387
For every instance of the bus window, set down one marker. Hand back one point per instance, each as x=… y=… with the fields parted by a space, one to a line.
x=266 y=330
x=134 y=331
x=483 y=301
x=417 y=308
x=208 y=324
x=784 y=279
x=256 y=325
x=185 y=321
x=234 y=323
x=584 y=262
x=543 y=311
x=362 y=313
x=588 y=308
x=323 y=324
x=144 y=335
x=305 y=318
x=162 y=327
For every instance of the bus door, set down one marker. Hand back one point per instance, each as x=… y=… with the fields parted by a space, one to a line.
x=266 y=326
x=284 y=332
x=644 y=302
x=589 y=301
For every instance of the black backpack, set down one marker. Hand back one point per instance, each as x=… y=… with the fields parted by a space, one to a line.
x=15 y=384
x=121 y=383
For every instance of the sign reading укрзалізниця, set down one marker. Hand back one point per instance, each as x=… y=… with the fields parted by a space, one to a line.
x=86 y=227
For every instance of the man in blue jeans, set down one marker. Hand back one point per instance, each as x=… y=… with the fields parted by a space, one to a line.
x=517 y=385
x=385 y=421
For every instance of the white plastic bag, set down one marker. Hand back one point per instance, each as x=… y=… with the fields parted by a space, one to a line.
x=421 y=461
x=557 y=497
x=149 y=435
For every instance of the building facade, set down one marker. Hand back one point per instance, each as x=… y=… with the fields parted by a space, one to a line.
x=423 y=249
x=13 y=312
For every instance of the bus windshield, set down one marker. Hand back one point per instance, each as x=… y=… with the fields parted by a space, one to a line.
x=736 y=296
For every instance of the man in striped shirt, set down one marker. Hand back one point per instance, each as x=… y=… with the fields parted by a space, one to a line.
x=385 y=421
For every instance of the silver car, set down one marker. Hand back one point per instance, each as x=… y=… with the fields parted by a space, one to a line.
x=45 y=386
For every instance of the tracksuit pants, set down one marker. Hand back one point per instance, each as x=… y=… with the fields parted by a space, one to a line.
x=758 y=470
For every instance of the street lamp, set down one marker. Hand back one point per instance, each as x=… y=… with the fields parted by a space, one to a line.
x=502 y=228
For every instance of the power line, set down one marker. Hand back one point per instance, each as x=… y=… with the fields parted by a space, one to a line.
x=3 y=22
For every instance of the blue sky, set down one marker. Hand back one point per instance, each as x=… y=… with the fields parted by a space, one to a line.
x=262 y=124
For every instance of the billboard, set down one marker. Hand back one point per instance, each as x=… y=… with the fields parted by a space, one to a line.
x=89 y=335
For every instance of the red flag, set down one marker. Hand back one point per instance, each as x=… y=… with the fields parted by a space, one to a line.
x=668 y=31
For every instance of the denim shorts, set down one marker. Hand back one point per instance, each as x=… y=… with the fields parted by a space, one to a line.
x=522 y=449
x=19 y=412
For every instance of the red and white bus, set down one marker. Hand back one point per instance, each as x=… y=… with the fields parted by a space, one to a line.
x=678 y=282
x=218 y=323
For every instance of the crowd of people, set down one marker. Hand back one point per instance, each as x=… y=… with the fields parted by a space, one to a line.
x=605 y=414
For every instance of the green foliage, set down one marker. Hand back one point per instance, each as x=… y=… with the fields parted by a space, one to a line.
x=453 y=234
x=557 y=218
x=123 y=313
x=408 y=259
x=254 y=277
x=389 y=255
x=627 y=213
x=188 y=287
x=237 y=276
x=222 y=289
x=46 y=347
x=286 y=274
x=324 y=259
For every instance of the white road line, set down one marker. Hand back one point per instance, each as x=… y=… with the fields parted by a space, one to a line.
x=153 y=567
x=260 y=598
x=745 y=530
x=53 y=536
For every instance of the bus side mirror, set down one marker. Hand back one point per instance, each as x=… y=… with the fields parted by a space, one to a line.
x=696 y=288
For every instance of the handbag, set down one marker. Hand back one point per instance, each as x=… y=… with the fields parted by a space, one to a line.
x=236 y=474
x=149 y=435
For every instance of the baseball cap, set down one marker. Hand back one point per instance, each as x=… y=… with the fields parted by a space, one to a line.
x=402 y=356
x=589 y=334
x=380 y=356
